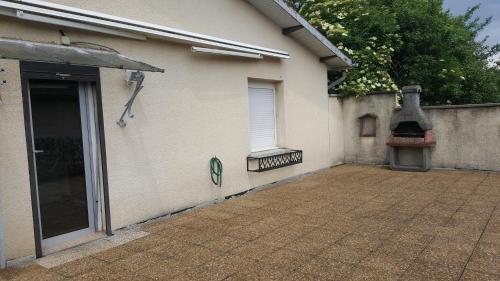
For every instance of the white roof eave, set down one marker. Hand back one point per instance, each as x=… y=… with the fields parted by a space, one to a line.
x=47 y=12
x=285 y=17
x=277 y=10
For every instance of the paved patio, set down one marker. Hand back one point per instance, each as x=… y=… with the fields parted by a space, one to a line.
x=345 y=223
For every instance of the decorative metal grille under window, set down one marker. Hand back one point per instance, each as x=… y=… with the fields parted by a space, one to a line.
x=274 y=160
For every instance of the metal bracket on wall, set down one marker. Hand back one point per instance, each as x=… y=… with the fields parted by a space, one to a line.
x=138 y=78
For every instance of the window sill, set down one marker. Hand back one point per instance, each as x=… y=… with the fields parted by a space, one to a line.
x=269 y=152
x=266 y=160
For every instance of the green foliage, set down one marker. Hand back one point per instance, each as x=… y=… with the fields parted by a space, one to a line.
x=439 y=52
x=366 y=33
x=401 y=42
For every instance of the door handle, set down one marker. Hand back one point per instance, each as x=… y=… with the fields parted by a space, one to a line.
x=38 y=151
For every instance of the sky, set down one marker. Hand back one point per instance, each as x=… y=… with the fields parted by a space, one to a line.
x=488 y=8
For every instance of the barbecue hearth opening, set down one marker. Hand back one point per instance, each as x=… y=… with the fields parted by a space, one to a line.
x=409 y=129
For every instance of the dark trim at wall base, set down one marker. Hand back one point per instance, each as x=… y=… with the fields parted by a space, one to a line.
x=49 y=71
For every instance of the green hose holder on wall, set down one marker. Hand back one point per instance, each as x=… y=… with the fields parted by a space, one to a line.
x=216 y=171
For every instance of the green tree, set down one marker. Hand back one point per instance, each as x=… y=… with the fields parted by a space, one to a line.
x=402 y=42
x=366 y=31
x=439 y=52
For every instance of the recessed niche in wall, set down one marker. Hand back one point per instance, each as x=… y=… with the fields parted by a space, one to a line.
x=368 y=125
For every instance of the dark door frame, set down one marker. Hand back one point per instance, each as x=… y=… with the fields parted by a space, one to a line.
x=50 y=71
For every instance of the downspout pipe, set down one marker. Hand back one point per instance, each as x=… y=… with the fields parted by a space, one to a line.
x=338 y=81
x=342 y=78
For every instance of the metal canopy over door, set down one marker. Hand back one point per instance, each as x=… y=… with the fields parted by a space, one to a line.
x=53 y=53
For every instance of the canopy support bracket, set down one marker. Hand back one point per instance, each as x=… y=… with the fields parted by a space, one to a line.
x=138 y=78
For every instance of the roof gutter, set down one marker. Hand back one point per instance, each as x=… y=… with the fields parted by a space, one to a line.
x=60 y=15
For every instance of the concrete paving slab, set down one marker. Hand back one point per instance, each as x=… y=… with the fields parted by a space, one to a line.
x=346 y=223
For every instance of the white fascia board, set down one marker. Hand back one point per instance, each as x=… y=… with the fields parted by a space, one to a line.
x=225 y=53
x=94 y=18
x=143 y=24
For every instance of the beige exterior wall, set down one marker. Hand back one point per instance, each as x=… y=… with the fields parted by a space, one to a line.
x=367 y=150
x=195 y=110
x=467 y=136
x=14 y=178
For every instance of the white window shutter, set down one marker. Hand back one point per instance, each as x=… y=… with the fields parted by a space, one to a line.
x=262 y=118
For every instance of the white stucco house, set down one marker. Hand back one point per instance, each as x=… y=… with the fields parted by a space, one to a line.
x=242 y=80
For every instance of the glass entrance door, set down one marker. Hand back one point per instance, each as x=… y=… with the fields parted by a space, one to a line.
x=62 y=152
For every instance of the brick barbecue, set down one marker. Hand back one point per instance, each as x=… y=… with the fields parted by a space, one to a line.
x=411 y=130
